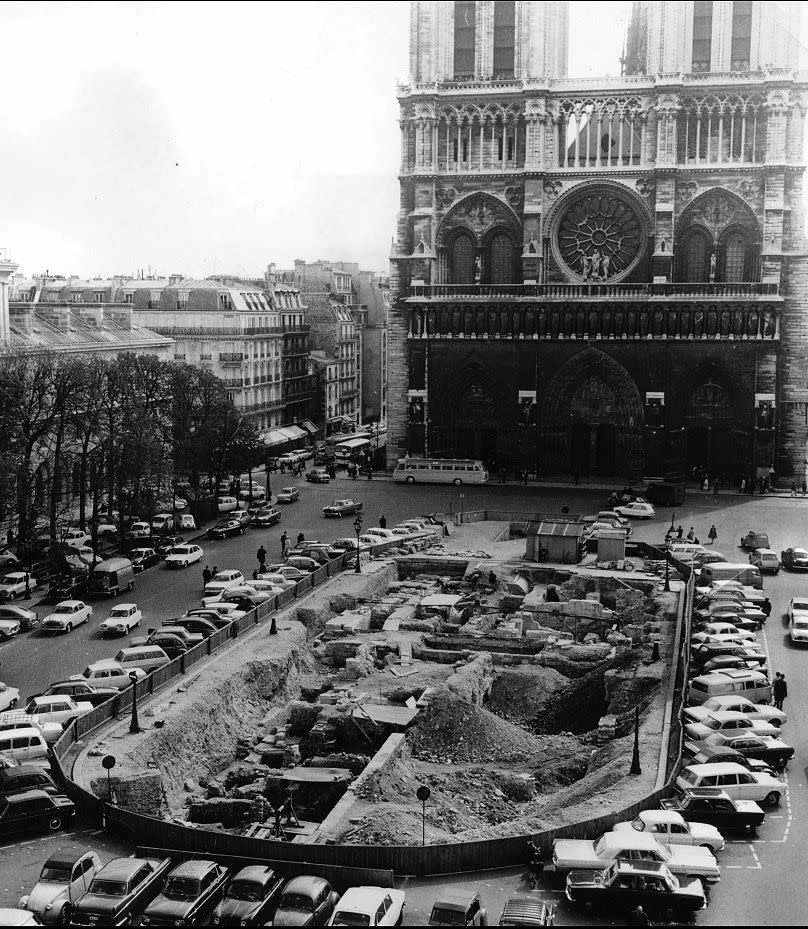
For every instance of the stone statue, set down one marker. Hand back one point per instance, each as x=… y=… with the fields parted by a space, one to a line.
x=586 y=267
x=712 y=267
x=478 y=270
x=604 y=266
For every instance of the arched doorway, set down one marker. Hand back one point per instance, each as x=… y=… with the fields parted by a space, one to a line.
x=463 y=253
x=695 y=267
x=736 y=257
x=500 y=259
x=734 y=238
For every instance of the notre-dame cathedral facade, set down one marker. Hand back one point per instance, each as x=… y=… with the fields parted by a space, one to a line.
x=609 y=276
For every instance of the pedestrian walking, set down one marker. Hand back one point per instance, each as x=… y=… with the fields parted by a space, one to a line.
x=712 y=535
x=301 y=538
x=766 y=606
x=206 y=576
x=691 y=535
x=779 y=690
x=287 y=547
x=261 y=554
x=382 y=522
x=793 y=489
x=679 y=532
x=284 y=543
x=214 y=572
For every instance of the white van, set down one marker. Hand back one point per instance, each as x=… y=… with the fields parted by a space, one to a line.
x=25 y=746
x=744 y=573
x=733 y=682
x=147 y=657
x=227 y=504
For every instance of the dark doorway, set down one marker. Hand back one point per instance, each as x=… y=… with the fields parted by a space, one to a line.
x=463 y=254
x=501 y=260
x=698 y=446
x=606 y=448
x=580 y=442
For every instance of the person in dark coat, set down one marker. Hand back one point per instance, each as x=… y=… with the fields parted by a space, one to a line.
x=779 y=690
x=261 y=554
x=301 y=538
x=712 y=535
x=206 y=576
x=284 y=540
x=679 y=532
x=382 y=522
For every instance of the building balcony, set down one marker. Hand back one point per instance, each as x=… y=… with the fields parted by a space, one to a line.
x=420 y=293
x=349 y=394
x=615 y=320
x=227 y=359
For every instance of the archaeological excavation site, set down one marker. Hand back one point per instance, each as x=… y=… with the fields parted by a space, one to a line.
x=510 y=688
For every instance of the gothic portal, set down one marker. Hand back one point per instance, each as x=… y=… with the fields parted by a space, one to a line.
x=606 y=278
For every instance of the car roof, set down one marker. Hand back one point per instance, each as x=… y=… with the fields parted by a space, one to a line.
x=640 y=867
x=104 y=663
x=456 y=899
x=194 y=867
x=128 y=606
x=121 y=868
x=659 y=816
x=765 y=551
x=70 y=603
x=642 y=839
x=254 y=872
x=305 y=884
x=728 y=715
x=717 y=767
x=66 y=856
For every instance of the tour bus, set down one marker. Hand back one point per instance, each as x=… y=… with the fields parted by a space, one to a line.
x=440 y=471
x=333 y=441
x=351 y=450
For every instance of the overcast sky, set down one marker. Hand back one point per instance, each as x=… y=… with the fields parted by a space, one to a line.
x=202 y=138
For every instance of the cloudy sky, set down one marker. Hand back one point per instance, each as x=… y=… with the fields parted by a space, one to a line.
x=201 y=138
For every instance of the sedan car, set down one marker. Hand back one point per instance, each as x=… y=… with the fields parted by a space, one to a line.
x=193 y=624
x=120 y=892
x=670 y=827
x=755 y=539
x=246 y=593
x=339 y=508
x=798 y=620
x=34 y=809
x=795 y=559
x=277 y=580
x=9 y=627
x=285 y=570
x=267 y=516
x=736 y=704
x=243 y=516
x=305 y=901
x=180 y=556
x=14 y=585
x=190 y=895
x=143 y=558
x=226 y=528
x=771 y=751
x=57 y=708
x=287 y=495
x=64 y=879
x=713 y=805
x=320 y=555
x=369 y=906
x=636 y=510
x=8 y=697
x=66 y=615
x=122 y=619
x=250 y=898
x=302 y=563
x=109 y=673
x=765 y=560
x=626 y=885
x=318 y=476
x=139 y=530
x=729 y=723
x=81 y=691
x=459 y=908
x=27 y=619
x=8 y=559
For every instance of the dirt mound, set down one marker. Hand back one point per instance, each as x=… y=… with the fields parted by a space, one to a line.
x=453 y=731
x=522 y=697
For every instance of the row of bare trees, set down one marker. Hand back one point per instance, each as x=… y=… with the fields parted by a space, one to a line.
x=85 y=440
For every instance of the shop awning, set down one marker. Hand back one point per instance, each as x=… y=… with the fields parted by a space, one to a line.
x=293 y=433
x=309 y=426
x=275 y=437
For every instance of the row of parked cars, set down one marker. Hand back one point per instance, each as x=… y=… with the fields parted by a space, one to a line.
x=76 y=888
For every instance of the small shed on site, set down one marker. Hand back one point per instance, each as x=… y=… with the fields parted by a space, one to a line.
x=553 y=540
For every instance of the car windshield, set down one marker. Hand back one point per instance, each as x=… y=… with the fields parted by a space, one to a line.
x=244 y=890
x=801 y=624
x=119 y=611
x=181 y=888
x=712 y=723
x=223 y=576
x=444 y=917
x=108 y=888
x=295 y=902
x=350 y=919
x=58 y=871
x=63 y=609
x=801 y=605
x=179 y=550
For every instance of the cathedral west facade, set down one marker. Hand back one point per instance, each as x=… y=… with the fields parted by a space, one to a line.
x=606 y=277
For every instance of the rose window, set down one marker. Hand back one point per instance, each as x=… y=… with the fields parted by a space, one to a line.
x=600 y=236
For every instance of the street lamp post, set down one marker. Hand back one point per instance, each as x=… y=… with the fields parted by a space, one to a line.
x=358 y=528
x=635 y=757
x=673 y=528
x=134 y=725
x=667 y=571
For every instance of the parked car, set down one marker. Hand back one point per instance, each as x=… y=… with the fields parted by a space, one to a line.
x=795 y=559
x=670 y=827
x=527 y=911
x=715 y=806
x=339 y=508
x=64 y=879
x=382 y=535
x=172 y=644
x=739 y=783
x=736 y=704
x=143 y=558
x=8 y=697
x=728 y=722
x=193 y=624
x=34 y=810
x=67 y=615
x=180 y=556
x=287 y=495
x=120 y=892
x=243 y=516
x=26 y=746
x=81 y=691
x=8 y=559
x=768 y=749
x=314 y=554
x=226 y=528
x=626 y=885
x=285 y=570
x=247 y=498
x=139 y=530
x=458 y=908
x=575 y=854
x=303 y=564
x=164 y=544
x=707 y=753
x=755 y=539
x=9 y=627
x=765 y=560
x=122 y=619
x=369 y=906
x=191 y=893
x=798 y=620
x=18 y=719
x=268 y=516
x=67 y=587
x=162 y=522
x=318 y=476
x=222 y=581
x=636 y=510
x=148 y=658
x=708 y=652
x=170 y=628
x=305 y=901
x=110 y=673
x=219 y=620
x=14 y=584
x=717 y=630
x=20 y=778
x=250 y=898
x=277 y=580
x=27 y=619
x=57 y=708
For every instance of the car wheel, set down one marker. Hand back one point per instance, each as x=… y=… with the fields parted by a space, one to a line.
x=776 y=722
x=410 y=479
x=55 y=823
x=457 y=482
x=69 y=627
x=772 y=798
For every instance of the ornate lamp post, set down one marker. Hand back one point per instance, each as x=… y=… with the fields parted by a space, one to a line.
x=358 y=529
x=635 y=758
x=134 y=725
